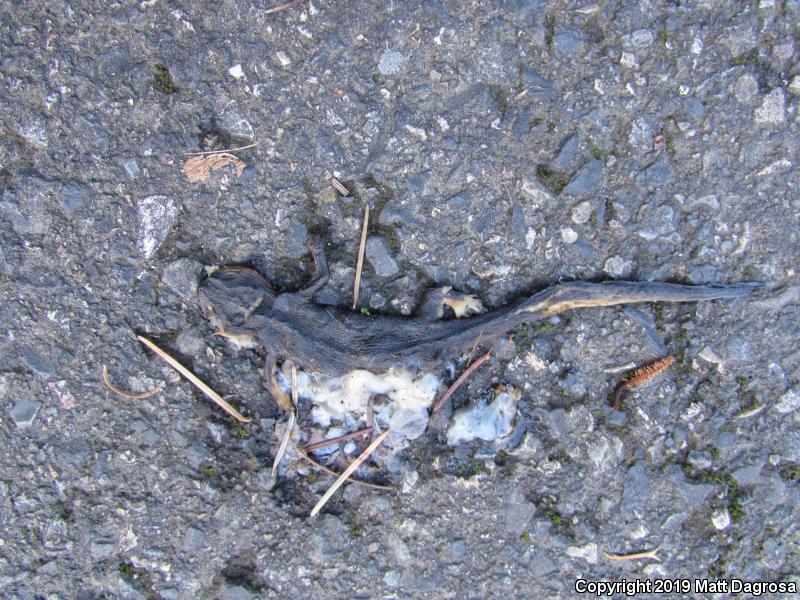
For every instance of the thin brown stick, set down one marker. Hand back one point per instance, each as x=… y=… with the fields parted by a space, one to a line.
x=349 y=471
x=635 y=556
x=457 y=383
x=253 y=145
x=337 y=439
x=475 y=345
x=123 y=393
x=360 y=260
x=284 y=444
x=280 y=7
x=333 y=473
x=194 y=380
x=339 y=187
x=639 y=376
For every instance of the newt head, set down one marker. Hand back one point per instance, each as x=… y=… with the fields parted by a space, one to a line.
x=230 y=297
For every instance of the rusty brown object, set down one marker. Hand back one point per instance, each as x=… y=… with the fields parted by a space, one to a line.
x=639 y=376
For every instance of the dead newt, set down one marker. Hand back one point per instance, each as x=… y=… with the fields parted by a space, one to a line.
x=243 y=306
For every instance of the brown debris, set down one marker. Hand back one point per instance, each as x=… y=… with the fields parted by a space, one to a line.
x=123 y=393
x=198 y=167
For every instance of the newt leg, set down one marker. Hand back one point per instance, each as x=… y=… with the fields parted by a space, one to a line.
x=463 y=305
x=269 y=380
x=321 y=273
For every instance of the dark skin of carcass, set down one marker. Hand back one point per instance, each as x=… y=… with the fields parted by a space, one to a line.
x=242 y=305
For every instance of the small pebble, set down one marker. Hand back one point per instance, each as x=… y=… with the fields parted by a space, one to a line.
x=24 y=413
x=568 y=235
x=772 y=109
x=582 y=212
x=390 y=63
x=721 y=519
x=616 y=266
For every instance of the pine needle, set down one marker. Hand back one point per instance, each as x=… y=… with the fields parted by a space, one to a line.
x=281 y=7
x=635 y=556
x=337 y=439
x=360 y=261
x=349 y=471
x=253 y=145
x=123 y=393
x=194 y=380
x=462 y=378
x=301 y=453
x=284 y=444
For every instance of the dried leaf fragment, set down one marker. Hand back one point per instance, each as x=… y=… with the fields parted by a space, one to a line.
x=197 y=168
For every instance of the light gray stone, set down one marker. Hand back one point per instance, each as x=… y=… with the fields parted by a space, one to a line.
x=377 y=253
x=24 y=412
x=586 y=180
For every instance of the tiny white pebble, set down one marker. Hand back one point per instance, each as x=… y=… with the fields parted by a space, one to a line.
x=236 y=71
x=283 y=58
x=569 y=235
x=721 y=519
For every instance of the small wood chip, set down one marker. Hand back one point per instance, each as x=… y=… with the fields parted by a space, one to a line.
x=337 y=185
x=198 y=167
x=194 y=380
x=123 y=393
x=349 y=471
x=360 y=261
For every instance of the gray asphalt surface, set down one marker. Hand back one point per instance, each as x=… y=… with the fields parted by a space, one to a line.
x=503 y=147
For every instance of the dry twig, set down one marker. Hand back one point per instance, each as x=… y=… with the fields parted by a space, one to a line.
x=123 y=393
x=462 y=378
x=194 y=380
x=639 y=376
x=349 y=471
x=360 y=261
x=635 y=556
